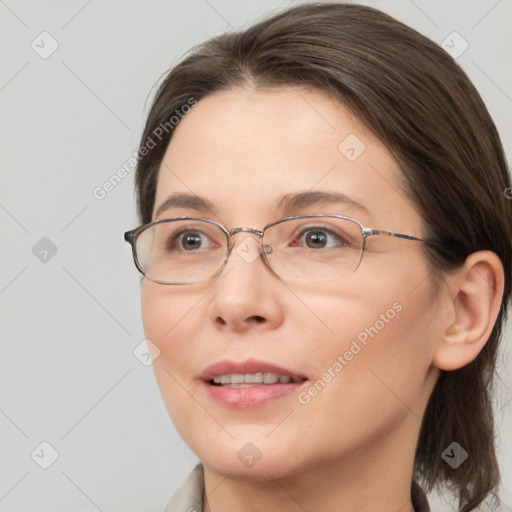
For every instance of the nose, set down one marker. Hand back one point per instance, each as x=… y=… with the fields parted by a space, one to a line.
x=246 y=294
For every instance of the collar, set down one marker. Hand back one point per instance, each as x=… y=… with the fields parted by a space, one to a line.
x=189 y=495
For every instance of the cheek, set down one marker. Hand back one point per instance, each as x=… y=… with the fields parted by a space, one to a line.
x=155 y=308
x=170 y=321
x=169 y=315
x=375 y=363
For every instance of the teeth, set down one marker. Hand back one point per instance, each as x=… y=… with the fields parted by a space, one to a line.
x=270 y=378
x=252 y=378
x=248 y=379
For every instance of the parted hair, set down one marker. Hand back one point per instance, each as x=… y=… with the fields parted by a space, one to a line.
x=421 y=105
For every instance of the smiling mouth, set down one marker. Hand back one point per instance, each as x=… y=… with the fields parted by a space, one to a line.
x=245 y=380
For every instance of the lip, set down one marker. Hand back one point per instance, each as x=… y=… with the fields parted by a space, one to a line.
x=248 y=397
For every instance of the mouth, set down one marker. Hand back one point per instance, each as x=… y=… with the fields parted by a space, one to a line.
x=250 y=383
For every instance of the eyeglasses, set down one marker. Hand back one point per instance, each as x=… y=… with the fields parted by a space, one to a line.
x=189 y=250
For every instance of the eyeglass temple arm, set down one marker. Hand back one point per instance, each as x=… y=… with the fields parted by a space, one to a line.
x=370 y=232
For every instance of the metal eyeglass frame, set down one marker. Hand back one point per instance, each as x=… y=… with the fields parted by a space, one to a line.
x=132 y=235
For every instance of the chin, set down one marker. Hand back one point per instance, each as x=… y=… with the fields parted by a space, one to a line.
x=267 y=468
x=258 y=460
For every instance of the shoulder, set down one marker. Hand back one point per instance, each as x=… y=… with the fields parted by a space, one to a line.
x=189 y=495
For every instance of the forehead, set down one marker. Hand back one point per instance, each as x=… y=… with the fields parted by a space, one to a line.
x=244 y=149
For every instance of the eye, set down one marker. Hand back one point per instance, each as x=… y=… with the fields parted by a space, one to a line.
x=188 y=240
x=321 y=238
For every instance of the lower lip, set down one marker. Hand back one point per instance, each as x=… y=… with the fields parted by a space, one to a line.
x=253 y=396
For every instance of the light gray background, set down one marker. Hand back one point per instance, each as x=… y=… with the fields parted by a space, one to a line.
x=70 y=325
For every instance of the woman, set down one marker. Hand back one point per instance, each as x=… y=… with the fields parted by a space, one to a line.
x=326 y=245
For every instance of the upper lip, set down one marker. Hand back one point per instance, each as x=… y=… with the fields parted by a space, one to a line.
x=248 y=366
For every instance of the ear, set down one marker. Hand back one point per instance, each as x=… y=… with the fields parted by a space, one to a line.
x=473 y=302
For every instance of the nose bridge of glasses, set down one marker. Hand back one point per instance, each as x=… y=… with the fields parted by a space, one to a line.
x=234 y=231
x=256 y=232
x=231 y=242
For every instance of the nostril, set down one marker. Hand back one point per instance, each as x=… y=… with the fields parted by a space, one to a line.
x=255 y=318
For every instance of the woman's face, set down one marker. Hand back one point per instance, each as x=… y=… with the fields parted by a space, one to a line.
x=361 y=345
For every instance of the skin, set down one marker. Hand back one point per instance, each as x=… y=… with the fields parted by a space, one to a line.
x=351 y=448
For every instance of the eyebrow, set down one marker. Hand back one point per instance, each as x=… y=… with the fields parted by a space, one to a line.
x=188 y=201
x=285 y=205
x=288 y=203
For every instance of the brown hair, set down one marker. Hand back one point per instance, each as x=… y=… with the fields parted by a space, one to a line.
x=415 y=98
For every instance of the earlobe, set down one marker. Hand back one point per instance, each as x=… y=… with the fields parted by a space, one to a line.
x=476 y=292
